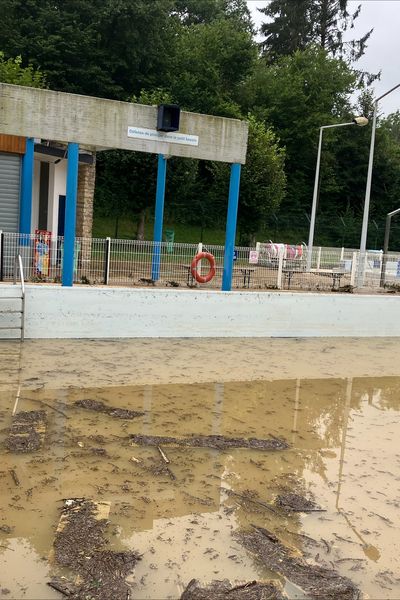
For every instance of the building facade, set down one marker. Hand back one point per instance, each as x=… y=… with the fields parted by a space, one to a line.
x=48 y=187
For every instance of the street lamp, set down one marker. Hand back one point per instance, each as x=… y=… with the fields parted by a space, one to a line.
x=360 y=121
x=364 y=230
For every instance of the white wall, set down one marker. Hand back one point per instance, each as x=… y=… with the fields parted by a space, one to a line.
x=57 y=187
x=89 y=312
x=35 y=195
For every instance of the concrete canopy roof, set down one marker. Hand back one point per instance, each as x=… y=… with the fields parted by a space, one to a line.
x=98 y=123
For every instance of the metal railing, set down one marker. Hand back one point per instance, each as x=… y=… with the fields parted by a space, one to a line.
x=19 y=266
x=265 y=266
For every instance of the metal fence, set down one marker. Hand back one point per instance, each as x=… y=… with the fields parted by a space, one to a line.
x=143 y=263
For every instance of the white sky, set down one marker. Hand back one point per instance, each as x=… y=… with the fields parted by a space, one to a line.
x=383 y=51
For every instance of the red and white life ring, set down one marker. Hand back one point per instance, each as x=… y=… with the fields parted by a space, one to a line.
x=194 y=271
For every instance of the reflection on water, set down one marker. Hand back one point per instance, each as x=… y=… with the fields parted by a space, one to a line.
x=344 y=451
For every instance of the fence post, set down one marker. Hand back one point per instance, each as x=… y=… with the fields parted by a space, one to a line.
x=353 y=269
x=281 y=254
x=319 y=258
x=1 y=256
x=107 y=252
x=342 y=254
x=258 y=246
x=199 y=249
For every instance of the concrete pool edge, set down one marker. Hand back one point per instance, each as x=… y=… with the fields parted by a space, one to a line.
x=105 y=312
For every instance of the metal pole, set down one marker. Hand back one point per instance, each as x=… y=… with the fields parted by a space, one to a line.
x=70 y=215
x=159 y=216
x=364 y=230
x=107 y=260
x=314 y=203
x=26 y=191
x=1 y=256
x=315 y=194
x=386 y=244
x=231 y=221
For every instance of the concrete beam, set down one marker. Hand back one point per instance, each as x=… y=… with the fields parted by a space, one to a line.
x=101 y=123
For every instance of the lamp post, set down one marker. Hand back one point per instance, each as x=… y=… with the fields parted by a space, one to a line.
x=364 y=230
x=360 y=121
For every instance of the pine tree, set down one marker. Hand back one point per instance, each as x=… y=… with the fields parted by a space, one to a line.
x=297 y=24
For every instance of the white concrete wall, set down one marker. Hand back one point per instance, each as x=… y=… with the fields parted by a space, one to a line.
x=89 y=312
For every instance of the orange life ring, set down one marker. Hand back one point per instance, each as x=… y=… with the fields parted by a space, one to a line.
x=211 y=272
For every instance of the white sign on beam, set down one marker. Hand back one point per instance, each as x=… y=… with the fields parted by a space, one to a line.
x=163 y=136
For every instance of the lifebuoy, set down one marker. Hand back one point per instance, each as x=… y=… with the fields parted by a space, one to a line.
x=211 y=272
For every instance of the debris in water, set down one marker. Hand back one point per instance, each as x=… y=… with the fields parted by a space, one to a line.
x=15 y=477
x=219 y=442
x=98 y=406
x=223 y=590
x=27 y=431
x=315 y=581
x=80 y=545
x=297 y=503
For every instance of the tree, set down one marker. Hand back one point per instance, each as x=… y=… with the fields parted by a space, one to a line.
x=108 y=48
x=297 y=25
x=11 y=71
x=211 y=62
x=262 y=185
x=195 y=12
x=295 y=97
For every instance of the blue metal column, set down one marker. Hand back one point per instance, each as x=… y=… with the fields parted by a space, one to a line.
x=231 y=220
x=159 y=215
x=70 y=215
x=25 y=214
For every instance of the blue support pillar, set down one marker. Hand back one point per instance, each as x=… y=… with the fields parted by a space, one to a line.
x=25 y=214
x=70 y=215
x=231 y=220
x=159 y=216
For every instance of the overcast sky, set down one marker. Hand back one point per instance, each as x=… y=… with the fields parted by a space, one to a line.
x=383 y=51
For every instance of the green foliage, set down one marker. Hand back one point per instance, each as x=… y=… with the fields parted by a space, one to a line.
x=109 y=48
x=297 y=25
x=296 y=96
x=11 y=71
x=263 y=180
x=211 y=61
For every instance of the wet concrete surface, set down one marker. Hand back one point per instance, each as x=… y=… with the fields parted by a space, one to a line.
x=341 y=424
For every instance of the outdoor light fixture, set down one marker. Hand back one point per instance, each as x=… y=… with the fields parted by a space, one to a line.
x=361 y=122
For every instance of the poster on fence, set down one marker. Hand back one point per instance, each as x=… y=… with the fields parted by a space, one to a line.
x=41 y=254
x=253 y=257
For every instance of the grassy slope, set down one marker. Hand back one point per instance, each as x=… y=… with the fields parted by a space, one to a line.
x=105 y=226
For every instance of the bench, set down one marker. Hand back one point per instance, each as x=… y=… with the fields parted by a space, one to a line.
x=336 y=275
x=245 y=272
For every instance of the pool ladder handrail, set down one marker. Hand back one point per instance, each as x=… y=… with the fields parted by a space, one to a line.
x=17 y=265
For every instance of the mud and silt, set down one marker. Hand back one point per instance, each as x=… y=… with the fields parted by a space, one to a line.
x=193 y=483
x=80 y=544
x=27 y=431
x=315 y=581
x=101 y=407
x=222 y=590
x=219 y=442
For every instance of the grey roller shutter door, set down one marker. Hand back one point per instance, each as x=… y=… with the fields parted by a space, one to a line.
x=10 y=174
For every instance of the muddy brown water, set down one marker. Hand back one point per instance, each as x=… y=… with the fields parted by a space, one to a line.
x=337 y=403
